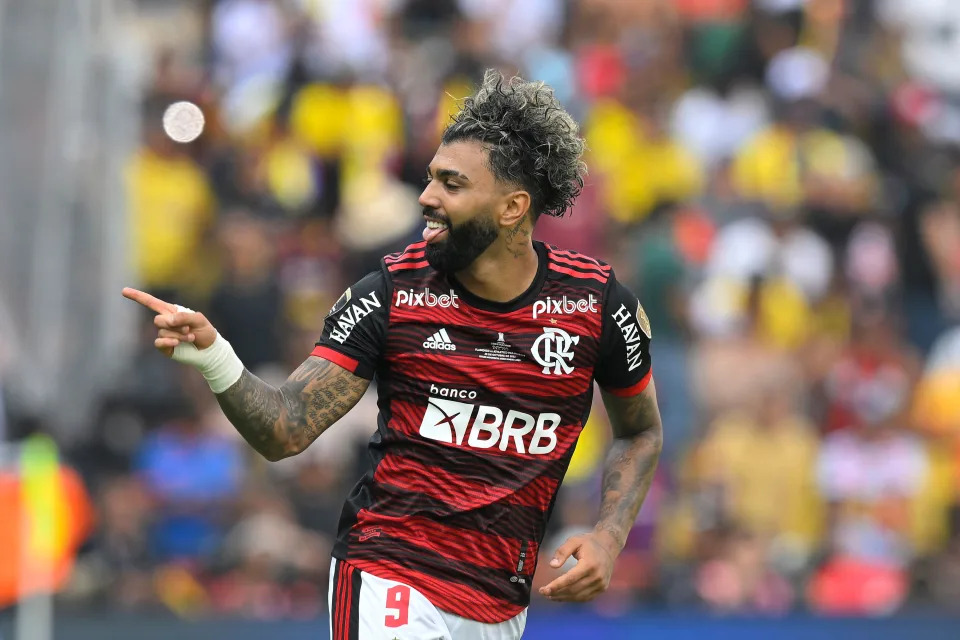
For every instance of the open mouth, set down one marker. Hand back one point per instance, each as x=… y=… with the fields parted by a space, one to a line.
x=434 y=230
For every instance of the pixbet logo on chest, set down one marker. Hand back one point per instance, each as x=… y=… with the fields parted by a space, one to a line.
x=484 y=427
x=426 y=298
x=564 y=306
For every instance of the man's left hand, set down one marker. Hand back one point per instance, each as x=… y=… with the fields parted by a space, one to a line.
x=595 y=553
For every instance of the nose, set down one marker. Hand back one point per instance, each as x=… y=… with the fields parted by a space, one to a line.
x=428 y=197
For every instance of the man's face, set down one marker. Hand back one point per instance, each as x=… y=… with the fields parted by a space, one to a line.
x=459 y=203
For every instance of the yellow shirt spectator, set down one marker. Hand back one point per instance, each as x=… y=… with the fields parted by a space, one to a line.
x=290 y=174
x=638 y=171
x=936 y=412
x=768 y=472
x=784 y=315
x=767 y=168
x=171 y=207
x=780 y=167
x=319 y=116
x=365 y=119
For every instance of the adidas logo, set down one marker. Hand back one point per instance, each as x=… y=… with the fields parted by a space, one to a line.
x=440 y=340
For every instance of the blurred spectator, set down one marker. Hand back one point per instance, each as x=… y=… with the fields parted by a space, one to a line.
x=798 y=161
x=937 y=402
x=193 y=477
x=120 y=569
x=277 y=566
x=739 y=580
x=514 y=27
x=583 y=229
x=736 y=345
x=923 y=314
x=872 y=380
x=637 y=162
x=250 y=40
x=760 y=463
x=247 y=305
x=380 y=214
x=929 y=44
x=871 y=264
x=715 y=126
x=768 y=272
x=936 y=413
x=316 y=492
x=311 y=279
x=940 y=230
x=666 y=259
x=871 y=478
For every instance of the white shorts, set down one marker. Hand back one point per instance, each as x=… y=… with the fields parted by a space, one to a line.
x=365 y=607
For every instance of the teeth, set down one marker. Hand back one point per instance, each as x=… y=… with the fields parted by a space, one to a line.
x=434 y=224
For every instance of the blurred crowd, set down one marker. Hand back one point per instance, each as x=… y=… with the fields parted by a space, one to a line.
x=779 y=180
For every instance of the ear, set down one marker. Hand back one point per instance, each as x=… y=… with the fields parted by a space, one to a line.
x=517 y=205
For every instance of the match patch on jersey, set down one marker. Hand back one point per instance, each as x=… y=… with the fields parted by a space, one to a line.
x=643 y=321
x=340 y=303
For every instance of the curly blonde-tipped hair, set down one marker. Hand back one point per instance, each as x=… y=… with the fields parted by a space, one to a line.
x=532 y=141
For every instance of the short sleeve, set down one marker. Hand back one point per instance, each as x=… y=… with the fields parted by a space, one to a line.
x=624 y=366
x=355 y=329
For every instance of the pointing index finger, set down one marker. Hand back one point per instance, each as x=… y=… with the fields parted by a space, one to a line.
x=149 y=301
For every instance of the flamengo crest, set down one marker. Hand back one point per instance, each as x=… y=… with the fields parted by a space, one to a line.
x=554 y=351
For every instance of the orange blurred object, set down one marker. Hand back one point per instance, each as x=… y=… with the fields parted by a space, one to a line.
x=694 y=231
x=73 y=513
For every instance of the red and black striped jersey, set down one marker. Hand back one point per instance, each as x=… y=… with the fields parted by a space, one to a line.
x=481 y=404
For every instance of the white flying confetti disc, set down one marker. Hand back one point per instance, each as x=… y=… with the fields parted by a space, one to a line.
x=183 y=121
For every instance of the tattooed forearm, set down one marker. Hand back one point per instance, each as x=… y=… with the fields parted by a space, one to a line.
x=283 y=422
x=631 y=462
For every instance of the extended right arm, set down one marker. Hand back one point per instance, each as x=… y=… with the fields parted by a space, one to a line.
x=277 y=422
x=282 y=422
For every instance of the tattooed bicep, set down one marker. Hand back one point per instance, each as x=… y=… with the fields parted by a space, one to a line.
x=323 y=392
x=283 y=422
x=634 y=414
x=315 y=368
x=328 y=384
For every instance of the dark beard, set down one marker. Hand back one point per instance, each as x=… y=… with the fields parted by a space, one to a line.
x=463 y=245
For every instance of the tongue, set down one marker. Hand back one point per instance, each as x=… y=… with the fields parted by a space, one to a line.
x=429 y=234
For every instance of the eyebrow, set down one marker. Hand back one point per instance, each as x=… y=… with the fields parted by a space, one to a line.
x=448 y=173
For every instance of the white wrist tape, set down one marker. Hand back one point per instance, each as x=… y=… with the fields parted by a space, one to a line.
x=218 y=363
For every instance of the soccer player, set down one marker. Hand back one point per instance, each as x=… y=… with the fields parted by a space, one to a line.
x=485 y=345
